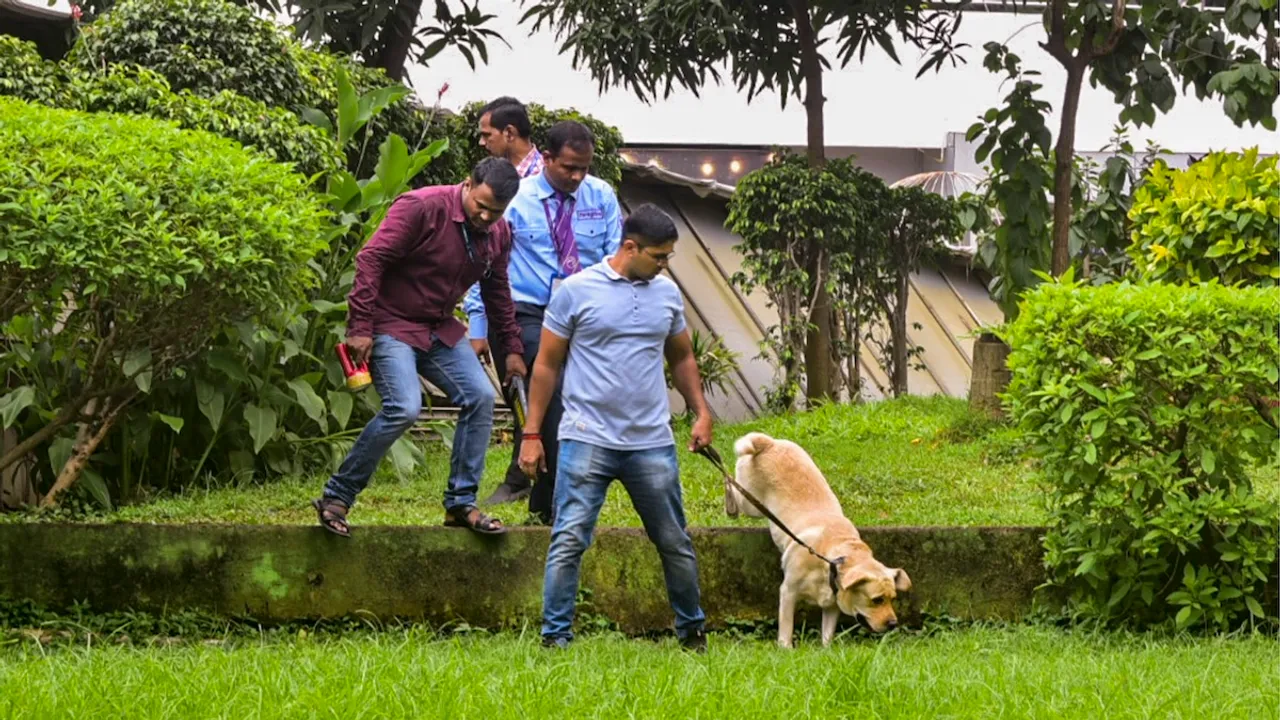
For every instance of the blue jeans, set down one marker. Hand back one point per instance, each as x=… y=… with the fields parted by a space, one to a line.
x=652 y=479
x=395 y=367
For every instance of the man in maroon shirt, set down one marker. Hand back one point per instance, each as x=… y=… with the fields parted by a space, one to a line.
x=434 y=244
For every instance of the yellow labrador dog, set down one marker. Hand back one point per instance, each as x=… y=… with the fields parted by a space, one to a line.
x=782 y=476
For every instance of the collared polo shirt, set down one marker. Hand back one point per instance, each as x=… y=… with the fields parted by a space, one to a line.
x=615 y=392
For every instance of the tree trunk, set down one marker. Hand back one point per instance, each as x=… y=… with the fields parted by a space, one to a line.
x=88 y=439
x=818 y=356
x=1064 y=153
x=990 y=374
x=398 y=35
x=899 y=321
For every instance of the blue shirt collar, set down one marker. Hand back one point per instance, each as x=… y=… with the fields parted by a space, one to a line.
x=545 y=190
x=612 y=274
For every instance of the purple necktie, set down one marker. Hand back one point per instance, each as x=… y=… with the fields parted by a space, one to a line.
x=562 y=234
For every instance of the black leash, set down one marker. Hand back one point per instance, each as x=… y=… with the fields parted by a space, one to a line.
x=833 y=577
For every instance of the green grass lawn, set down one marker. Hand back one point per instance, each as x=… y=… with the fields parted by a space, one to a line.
x=1029 y=672
x=912 y=461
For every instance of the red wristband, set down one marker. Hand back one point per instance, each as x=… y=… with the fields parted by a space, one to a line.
x=531 y=436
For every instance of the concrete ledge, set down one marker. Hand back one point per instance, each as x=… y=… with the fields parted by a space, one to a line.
x=440 y=575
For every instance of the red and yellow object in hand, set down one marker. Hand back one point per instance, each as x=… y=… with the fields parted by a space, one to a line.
x=358 y=378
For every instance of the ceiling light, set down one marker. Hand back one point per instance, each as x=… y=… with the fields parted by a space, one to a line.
x=735 y=166
x=708 y=169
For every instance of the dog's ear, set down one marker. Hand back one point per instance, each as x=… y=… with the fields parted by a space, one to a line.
x=901 y=582
x=853 y=577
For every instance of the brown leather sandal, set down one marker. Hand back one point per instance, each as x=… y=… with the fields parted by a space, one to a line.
x=471 y=518
x=333 y=515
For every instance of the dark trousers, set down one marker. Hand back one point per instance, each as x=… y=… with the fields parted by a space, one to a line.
x=529 y=318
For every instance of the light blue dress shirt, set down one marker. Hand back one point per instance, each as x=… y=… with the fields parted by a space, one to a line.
x=534 y=268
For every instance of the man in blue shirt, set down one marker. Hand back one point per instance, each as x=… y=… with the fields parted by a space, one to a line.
x=614 y=322
x=562 y=220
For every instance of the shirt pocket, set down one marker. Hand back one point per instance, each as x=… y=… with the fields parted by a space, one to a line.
x=590 y=235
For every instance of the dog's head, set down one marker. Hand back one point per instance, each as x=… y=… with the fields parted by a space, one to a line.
x=868 y=589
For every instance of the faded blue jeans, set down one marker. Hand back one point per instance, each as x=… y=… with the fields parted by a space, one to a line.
x=395 y=367
x=652 y=479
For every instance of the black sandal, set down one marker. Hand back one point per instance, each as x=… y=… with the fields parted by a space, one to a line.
x=460 y=516
x=333 y=516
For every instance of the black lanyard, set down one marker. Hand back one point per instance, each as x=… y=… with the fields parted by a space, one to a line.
x=471 y=252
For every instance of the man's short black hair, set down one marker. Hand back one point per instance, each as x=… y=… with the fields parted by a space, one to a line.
x=499 y=175
x=649 y=226
x=506 y=111
x=571 y=133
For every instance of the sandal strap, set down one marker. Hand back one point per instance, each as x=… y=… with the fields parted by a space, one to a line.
x=462 y=514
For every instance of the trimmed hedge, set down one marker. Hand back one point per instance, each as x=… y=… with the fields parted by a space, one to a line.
x=1217 y=220
x=205 y=46
x=138 y=91
x=138 y=211
x=1148 y=405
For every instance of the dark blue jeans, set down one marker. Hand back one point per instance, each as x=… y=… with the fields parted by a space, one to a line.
x=395 y=367
x=652 y=479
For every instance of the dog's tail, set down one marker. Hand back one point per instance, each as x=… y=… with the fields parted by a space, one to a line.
x=752 y=444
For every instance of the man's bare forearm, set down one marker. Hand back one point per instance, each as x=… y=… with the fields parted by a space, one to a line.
x=688 y=382
x=541 y=387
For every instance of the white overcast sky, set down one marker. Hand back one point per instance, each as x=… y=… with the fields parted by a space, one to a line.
x=874 y=104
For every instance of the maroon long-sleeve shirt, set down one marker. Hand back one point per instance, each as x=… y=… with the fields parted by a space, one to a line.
x=416 y=267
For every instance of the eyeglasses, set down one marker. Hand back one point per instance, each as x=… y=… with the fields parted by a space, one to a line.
x=660 y=258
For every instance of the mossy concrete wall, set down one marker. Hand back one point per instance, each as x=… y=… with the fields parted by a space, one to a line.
x=440 y=575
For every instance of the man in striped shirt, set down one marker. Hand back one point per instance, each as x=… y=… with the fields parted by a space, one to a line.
x=504 y=132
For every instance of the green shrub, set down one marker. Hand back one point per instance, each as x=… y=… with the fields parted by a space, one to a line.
x=1148 y=404
x=26 y=75
x=128 y=244
x=205 y=46
x=1218 y=219
x=138 y=91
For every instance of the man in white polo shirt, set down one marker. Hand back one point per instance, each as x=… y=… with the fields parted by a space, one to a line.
x=614 y=322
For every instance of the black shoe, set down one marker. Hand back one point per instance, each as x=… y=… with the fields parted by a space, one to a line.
x=507 y=493
x=695 y=642
x=555 y=643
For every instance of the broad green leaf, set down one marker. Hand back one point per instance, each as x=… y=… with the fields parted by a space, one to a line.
x=1208 y=461
x=340 y=405
x=1149 y=355
x=14 y=402
x=317 y=118
x=1186 y=616
x=1255 y=607
x=348 y=108
x=405 y=456
x=262 y=425
x=310 y=402
x=1099 y=427
x=212 y=402
x=1091 y=453
x=60 y=452
x=1092 y=390
x=175 y=423
x=134 y=367
x=393 y=164
x=91 y=481
x=228 y=363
